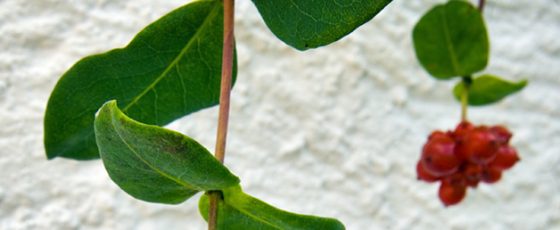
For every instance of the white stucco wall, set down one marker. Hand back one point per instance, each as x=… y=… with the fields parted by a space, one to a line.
x=333 y=132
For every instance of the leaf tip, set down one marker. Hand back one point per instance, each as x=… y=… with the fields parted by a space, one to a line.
x=110 y=106
x=523 y=83
x=50 y=156
x=110 y=103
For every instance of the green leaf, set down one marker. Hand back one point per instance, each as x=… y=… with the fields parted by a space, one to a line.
x=488 y=89
x=155 y=164
x=239 y=211
x=170 y=69
x=305 y=24
x=451 y=40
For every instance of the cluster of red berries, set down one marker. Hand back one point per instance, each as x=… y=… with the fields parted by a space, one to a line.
x=464 y=157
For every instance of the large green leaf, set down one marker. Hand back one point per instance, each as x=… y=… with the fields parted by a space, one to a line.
x=488 y=89
x=170 y=69
x=306 y=24
x=155 y=164
x=451 y=40
x=239 y=211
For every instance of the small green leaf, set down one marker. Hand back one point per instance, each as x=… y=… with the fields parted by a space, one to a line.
x=239 y=211
x=451 y=40
x=488 y=89
x=170 y=69
x=305 y=24
x=155 y=164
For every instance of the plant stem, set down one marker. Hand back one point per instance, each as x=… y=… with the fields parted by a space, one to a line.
x=223 y=117
x=214 y=196
x=481 y=5
x=227 y=69
x=467 y=80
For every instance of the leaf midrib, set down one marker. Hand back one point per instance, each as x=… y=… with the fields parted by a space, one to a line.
x=242 y=210
x=450 y=49
x=250 y=215
x=175 y=61
x=187 y=186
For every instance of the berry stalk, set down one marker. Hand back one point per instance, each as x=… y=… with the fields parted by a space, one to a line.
x=467 y=80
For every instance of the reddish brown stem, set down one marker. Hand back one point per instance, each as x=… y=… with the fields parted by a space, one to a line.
x=481 y=4
x=223 y=117
x=213 y=210
x=227 y=69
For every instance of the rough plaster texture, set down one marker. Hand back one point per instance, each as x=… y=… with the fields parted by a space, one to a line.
x=334 y=131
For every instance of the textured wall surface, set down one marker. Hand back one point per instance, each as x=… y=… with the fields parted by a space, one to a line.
x=334 y=131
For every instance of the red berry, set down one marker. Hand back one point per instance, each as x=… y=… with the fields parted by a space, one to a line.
x=455 y=179
x=479 y=146
x=462 y=128
x=438 y=157
x=506 y=157
x=503 y=135
x=473 y=183
x=472 y=174
x=465 y=156
x=437 y=134
x=423 y=174
x=451 y=194
x=491 y=175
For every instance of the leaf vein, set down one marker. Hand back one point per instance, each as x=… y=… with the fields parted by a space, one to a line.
x=450 y=49
x=175 y=61
x=187 y=186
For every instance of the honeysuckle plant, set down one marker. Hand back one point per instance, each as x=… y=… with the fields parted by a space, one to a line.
x=113 y=105
x=451 y=42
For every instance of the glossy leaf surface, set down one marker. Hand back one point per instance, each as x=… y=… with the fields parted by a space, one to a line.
x=170 y=69
x=488 y=89
x=305 y=24
x=451 y=40
x=239 y=211
x=155 y=164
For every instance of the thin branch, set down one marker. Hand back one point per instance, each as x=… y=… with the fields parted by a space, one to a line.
x=481 y=4
x=221 y=136
x=227 y=69
x=213 y=210
x=467 y=80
